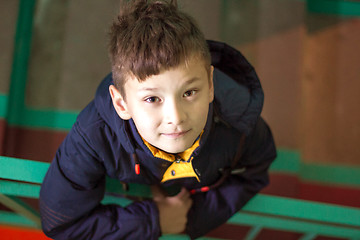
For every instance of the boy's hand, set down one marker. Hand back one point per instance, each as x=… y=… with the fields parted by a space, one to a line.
x=172 y=210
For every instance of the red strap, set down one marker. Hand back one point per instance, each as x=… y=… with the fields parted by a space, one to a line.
x=203 y=189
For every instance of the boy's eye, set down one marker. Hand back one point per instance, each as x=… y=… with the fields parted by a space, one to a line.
x=189 y=93
x=152 y=99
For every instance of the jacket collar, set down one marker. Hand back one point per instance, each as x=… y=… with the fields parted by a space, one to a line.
x=172 y=157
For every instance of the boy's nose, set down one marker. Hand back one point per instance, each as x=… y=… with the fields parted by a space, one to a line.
x=174 y=113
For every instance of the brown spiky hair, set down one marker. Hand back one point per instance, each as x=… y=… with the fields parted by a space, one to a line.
x=150 y=36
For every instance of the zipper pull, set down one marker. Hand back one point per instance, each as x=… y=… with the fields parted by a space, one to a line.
x=137 y=169
x=178 y=159
x=137 y=164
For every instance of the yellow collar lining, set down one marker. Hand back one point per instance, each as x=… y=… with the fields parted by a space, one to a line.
x=171 y=157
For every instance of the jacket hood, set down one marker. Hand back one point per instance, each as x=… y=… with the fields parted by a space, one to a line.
x=239 y=97
x=238 y=93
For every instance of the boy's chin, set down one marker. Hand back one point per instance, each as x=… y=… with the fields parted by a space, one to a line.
x=174 y=149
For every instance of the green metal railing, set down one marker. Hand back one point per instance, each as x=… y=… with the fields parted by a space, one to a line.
x=22 y=178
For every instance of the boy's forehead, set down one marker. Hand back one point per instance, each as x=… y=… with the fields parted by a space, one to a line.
x=184 y=74
x=185 y=63
x=193 y=67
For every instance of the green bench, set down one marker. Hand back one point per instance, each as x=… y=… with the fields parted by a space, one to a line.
x=22 y=178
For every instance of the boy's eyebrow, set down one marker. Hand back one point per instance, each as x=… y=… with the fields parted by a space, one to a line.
x=148 y=89
x=191 y=80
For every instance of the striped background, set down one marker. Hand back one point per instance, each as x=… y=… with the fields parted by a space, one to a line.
x=293 y=45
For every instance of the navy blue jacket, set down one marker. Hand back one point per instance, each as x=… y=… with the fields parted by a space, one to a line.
x=101 y=144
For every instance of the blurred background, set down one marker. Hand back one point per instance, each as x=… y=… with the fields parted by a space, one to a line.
x=306 y=53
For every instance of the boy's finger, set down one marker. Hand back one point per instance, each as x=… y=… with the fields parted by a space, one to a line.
x=157 y=191
x=183 y=194
x=188 y=202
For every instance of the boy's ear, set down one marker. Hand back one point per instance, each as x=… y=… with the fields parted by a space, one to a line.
x=119 y=103
x=211 y=84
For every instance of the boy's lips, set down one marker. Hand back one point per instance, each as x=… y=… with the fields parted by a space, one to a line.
x=176 y=134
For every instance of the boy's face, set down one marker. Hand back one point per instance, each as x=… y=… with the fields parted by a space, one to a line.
x=170 y=109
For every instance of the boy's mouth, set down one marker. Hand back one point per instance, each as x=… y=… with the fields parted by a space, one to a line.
x=176 y=134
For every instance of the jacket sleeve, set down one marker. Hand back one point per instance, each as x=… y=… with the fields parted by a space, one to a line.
x=215 y=207
x=70 y=199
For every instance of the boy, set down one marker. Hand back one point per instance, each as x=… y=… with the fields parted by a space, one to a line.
x=171 y=113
